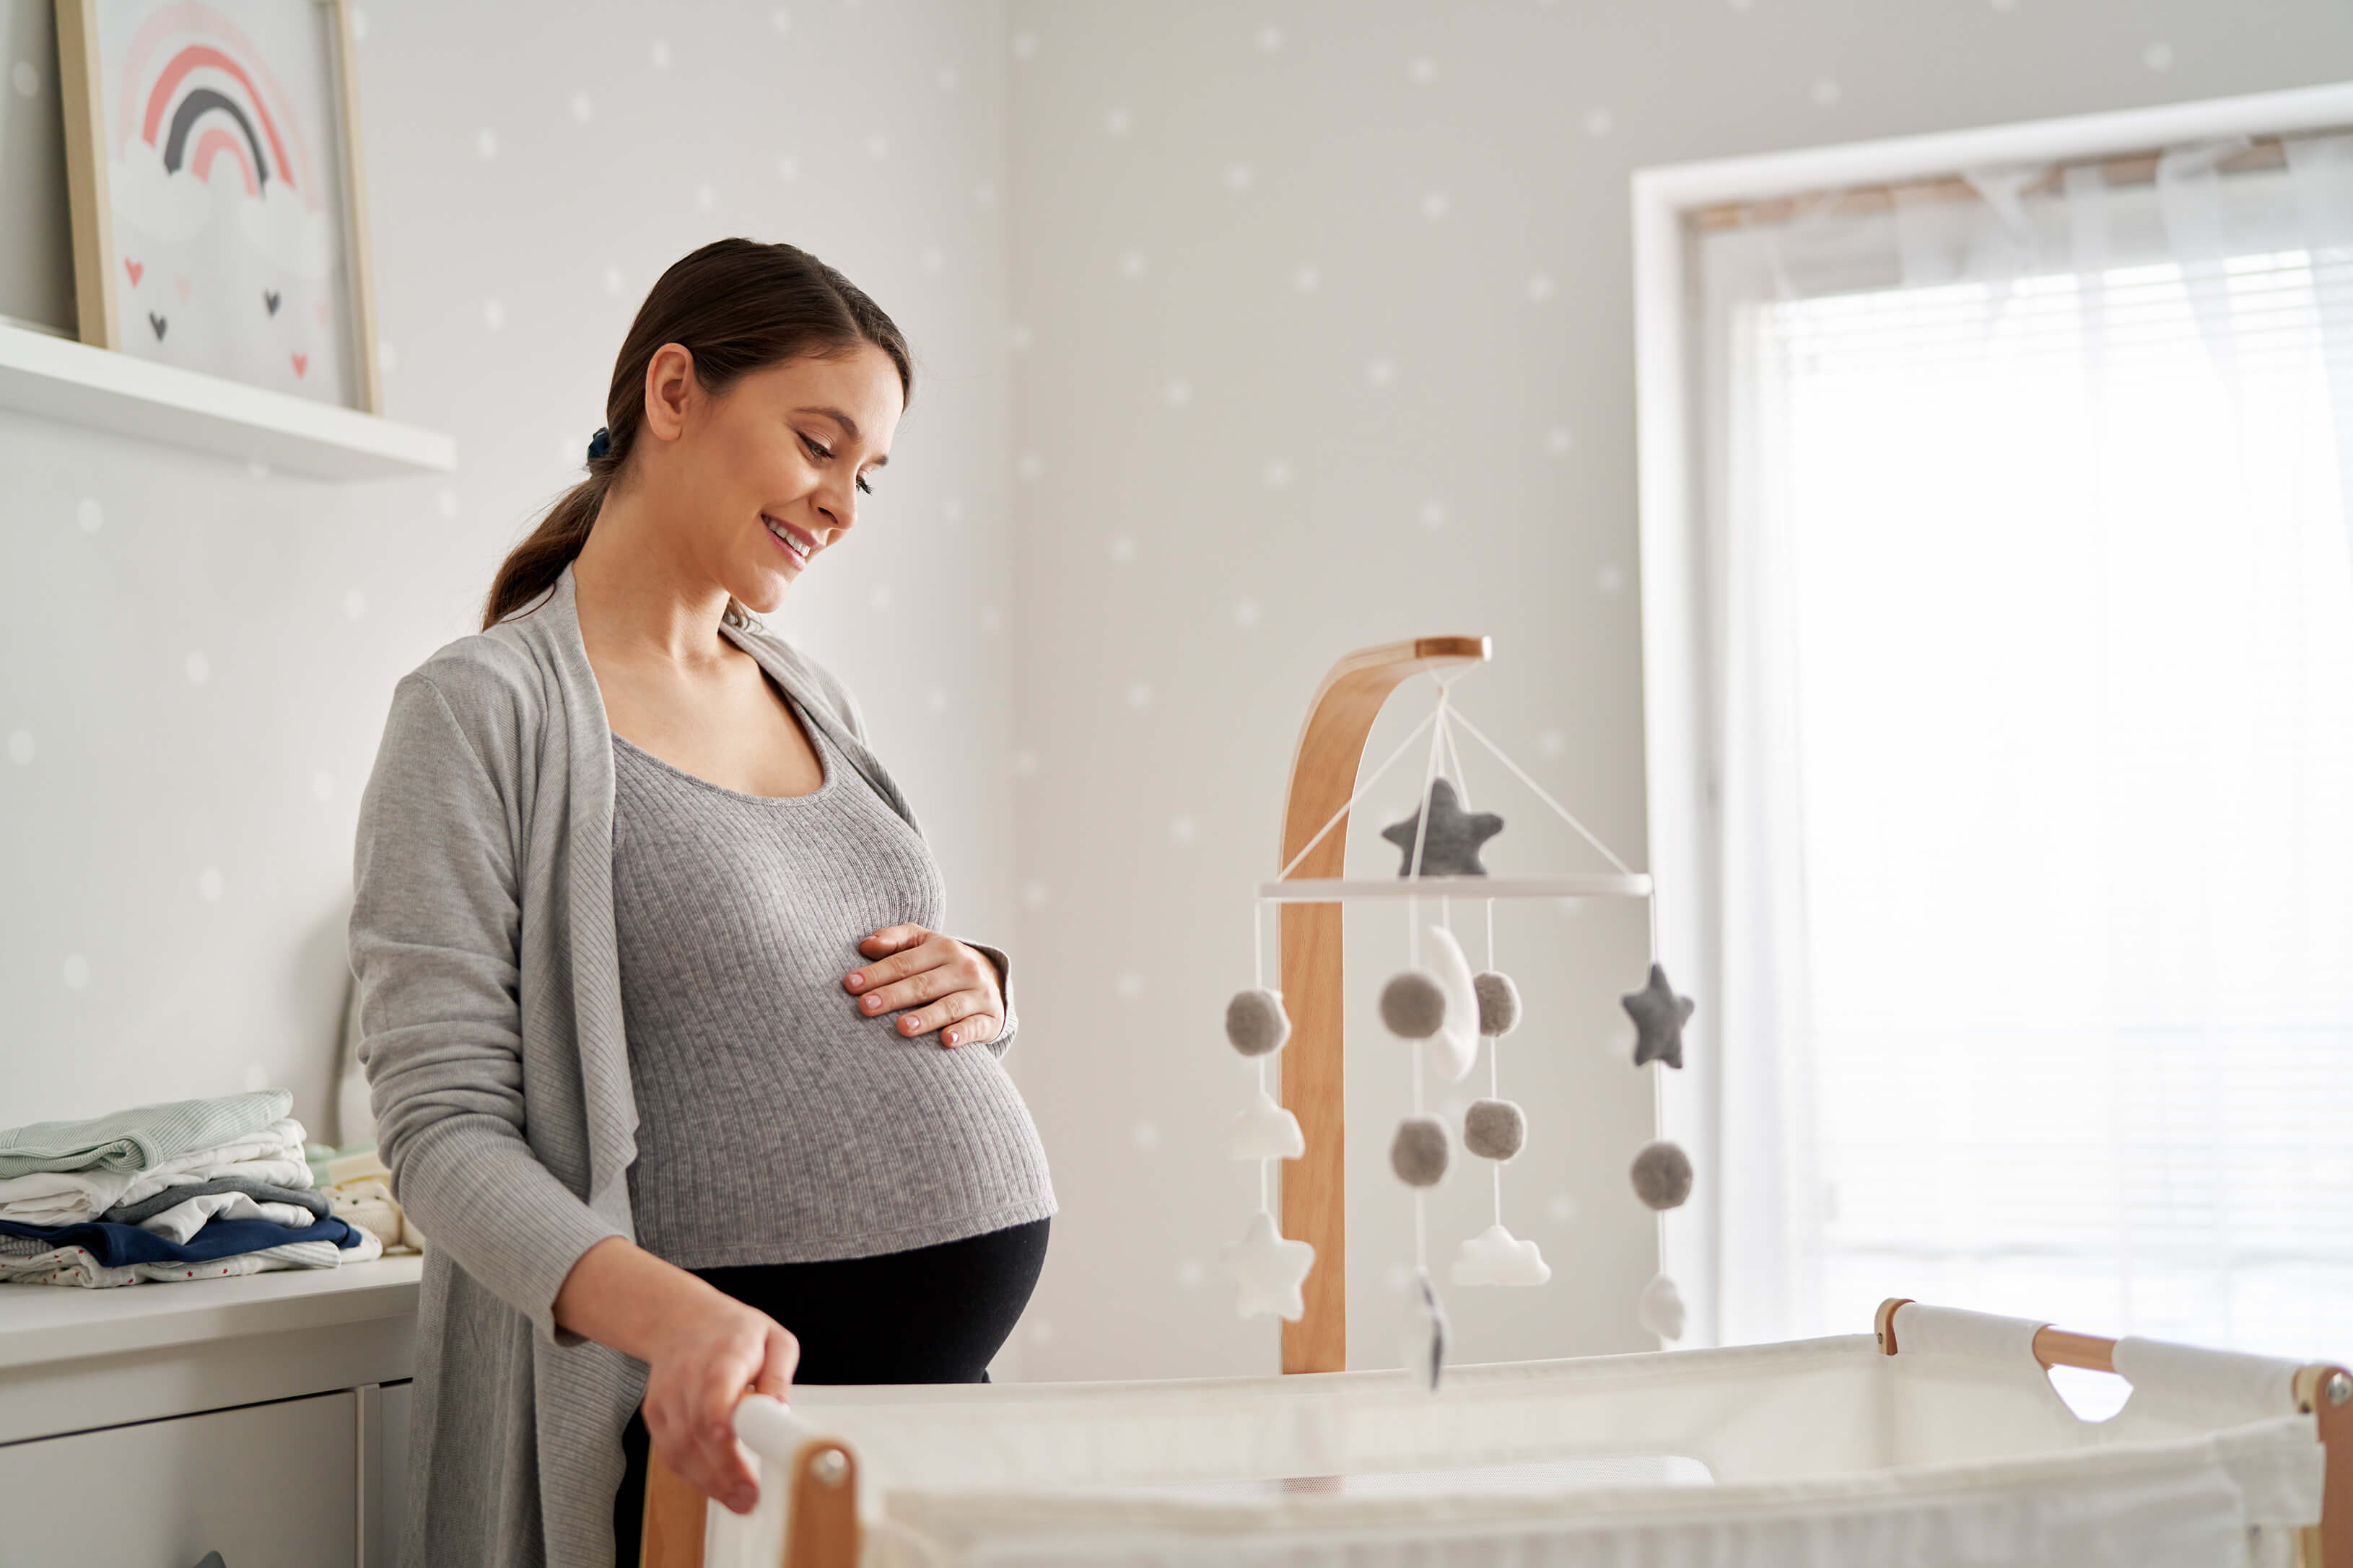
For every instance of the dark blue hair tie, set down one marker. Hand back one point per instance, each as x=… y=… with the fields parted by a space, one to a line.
x=600 y=445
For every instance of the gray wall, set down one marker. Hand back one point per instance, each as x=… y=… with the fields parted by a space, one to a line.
x=186 y=845
x=1150 y=524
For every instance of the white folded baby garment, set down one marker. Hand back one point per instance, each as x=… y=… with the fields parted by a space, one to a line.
x=183 y=1220
x=272 y=1154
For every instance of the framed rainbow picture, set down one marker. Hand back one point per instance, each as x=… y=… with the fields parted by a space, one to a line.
x=212 y=157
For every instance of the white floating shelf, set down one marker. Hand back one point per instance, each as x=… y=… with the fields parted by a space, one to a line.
x=57 y=378
x=1335 y=889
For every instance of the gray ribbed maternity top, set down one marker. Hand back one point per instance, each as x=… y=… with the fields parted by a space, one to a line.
x=776 y=1123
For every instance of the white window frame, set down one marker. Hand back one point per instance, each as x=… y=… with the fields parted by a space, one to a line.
x=1681 y=772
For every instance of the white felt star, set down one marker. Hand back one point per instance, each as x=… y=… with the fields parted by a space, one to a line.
x=1265 y=1132
x=1268 y=1271
x=1495 y=1257
x=1661 y=1310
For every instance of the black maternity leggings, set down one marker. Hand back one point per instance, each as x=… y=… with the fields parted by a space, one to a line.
x=935 y=1315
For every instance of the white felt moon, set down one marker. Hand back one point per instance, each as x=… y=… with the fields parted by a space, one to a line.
x=1268 y=1271
x=1455 y=1047
x=1495 y=1257
x=1265 y=1132
x=1661 y=1310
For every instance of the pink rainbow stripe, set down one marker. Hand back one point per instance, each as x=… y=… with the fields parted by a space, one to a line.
x=188 y=59
x=195 y=16
x=211 y=145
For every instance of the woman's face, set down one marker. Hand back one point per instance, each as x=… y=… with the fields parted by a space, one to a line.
x=768 y=475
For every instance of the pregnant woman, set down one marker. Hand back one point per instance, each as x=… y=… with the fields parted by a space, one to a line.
x=668 y=1055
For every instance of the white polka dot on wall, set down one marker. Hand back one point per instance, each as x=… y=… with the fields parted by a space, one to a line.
x=659 y=53
x=74 y=972
x=1034 y=894
x=705 y=197
x=1017 y=337
x=1826 y=92
x=613 y=281
x=780 y=20
x=570 y=449
x=1396 y=1277
x=89 y=516
x=322 y=785
x=1177 y=394
x=2157 y=57
x=1278 y=472
x=1557 y=440
x=1139 y=695
x=445 y=501
x=1599 y=122
x=877 y=145
x=1239 y=177
x=1563 y=1208
x=992 y=619
x=1270 y=37
x=1539 y=289
x=1121 y=549
x=1381 y=372
x=1609 y=580
x=881 y=597
x=936 y=701
x=1025 y=46
x=1130 y=264
x=581 y=107
x=256 y=470
x=1129 y=985
x=2003 y=4
x=354 y=604
x=1116 y=121
x=934 y=259
x=1030 y=466
x=1246 y=613
x=1025 y=762
x=209 y=886
x=495 y=315
x=947 y=78
x=1041 y=1331
x=1434 y=205
x=1184 y=830
x=486 y=144
x=25 y=77
x=788 y=168
x=359 y=26
x=1145 y=1136
x=20 y=747
x=387 y=357
x=1190 y=1275
x=1433 y=514
x=984 y=194
x=1306 y=278
x=257 y=1077
x=1421 y=70
x=1551 y=744
x=197 y=668
x=952 y=509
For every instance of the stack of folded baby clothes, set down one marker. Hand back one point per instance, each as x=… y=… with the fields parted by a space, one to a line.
x=192 y=1190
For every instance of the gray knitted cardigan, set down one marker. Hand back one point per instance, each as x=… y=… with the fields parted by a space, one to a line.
x=482 y=939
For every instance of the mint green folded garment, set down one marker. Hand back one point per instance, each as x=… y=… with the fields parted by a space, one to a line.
x=142 y=1136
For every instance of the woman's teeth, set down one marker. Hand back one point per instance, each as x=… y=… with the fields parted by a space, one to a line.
x=795 y=545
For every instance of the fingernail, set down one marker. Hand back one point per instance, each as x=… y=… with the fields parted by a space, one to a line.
x=950 y=1037
x=856 y=981
x=872 y=1003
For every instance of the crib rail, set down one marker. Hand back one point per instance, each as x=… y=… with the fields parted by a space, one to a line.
x=2322 y=1392
x=821 y=1528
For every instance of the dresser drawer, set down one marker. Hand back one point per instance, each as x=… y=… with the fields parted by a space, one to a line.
x=267 y=1486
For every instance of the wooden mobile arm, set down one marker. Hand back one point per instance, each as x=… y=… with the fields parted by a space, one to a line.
x=1322 y=777
x=2322 y=1392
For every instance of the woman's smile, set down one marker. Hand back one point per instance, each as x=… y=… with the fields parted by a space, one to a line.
x=797 y=544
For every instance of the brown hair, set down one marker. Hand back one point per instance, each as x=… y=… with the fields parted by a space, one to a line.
x=737 y=306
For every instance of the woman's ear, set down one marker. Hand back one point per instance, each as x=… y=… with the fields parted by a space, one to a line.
x=671 y=390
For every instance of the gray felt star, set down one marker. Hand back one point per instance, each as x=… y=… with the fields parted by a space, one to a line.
x=1659 y=1017
x=1451 y=846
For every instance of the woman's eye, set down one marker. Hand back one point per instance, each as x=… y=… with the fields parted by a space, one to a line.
x=816 y=450
x=864 y=486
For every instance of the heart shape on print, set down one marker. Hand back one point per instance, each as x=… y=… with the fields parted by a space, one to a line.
x=159 y=323
x=269 y=298
x=137 y=269
x=322 y=308
x=183 y=285
x=301 y=365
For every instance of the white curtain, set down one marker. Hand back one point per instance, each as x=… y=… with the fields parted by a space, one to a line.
x=2032 y=723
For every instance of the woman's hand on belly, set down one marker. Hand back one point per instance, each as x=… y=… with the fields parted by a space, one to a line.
x=705 y=1349
x=947 y=985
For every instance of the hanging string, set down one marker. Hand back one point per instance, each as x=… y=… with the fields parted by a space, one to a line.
x=1546 y=795
x=1340 y=816
x=1265 y=1175
x=1420 y=836
x=1494 y=1068
x=1258 y=943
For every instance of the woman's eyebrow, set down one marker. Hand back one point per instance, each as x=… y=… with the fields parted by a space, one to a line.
x=849 y=428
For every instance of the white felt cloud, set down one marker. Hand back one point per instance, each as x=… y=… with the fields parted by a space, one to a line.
x=1265 y=1132
x=1268 y=1271
x=1455 y=1047
x=1661 y=1310
x=1495 y=1257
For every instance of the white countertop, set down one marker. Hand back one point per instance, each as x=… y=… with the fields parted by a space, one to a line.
x=41 y=1323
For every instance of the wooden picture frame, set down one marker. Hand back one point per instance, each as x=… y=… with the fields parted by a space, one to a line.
x=227 y=101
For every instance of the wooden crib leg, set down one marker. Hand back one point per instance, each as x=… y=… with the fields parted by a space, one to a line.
x=2326 y=1391
x=673 y=1532
x=824 y=1530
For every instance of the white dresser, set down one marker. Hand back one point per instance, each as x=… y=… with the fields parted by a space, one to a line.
x=264 y=1419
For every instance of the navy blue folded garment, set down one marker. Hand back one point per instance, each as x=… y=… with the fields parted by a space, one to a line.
x=117 y=1244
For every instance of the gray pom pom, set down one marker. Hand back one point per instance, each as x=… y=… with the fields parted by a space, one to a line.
x=1256 y=1023
x=1419 y=1153
x=1499 y=1004
x=1663 y=1175
x=1494 y=1129
x=1413 y=1005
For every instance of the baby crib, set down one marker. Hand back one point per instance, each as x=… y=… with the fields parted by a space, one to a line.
x=1935 y=1441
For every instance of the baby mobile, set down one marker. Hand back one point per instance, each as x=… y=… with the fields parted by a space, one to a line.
x=1441 y=1010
